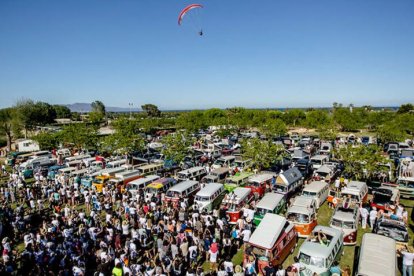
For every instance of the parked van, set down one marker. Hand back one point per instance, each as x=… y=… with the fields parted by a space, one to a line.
x=346 y=219
x=224 y=161
x=385 y=198
x=406 y=186
x=289 y=182
x=123 y=178
x=217 y=175
x=258 y=183
x=271 y=203
x=76 y=157
x=377 y=256
x=318 y=190
x=234 y=202
x=139 y=184
x=74 y=163
x=305 y=201
x=100 y=180
x=303 y=218
x=318 y=160
x=319 y=251
x=150 y=168
x=357 y=191
x=186 y=189
x=159 y=186
x=195 y=173
x=272 y=241
x=237 y=180
x=79 y=173
x=53 y=170
x=209 y=197
x=116 y=163
x=66 y=170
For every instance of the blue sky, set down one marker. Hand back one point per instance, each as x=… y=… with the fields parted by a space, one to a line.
x=269 y=53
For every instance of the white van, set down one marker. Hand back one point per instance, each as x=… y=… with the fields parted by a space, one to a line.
x=224 y=161
x=209 y=197
x=318 y=252
x=76 y=157
x=139 y=184
x=116 y=164
x=318 y=190
x=305 y=201
x=150 y=168
x=67 y=170
x=377 y=256
x=318 y=160
x=195 y=173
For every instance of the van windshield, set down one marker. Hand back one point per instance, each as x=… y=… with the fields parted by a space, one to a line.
x=172 y=194
x=308 y=194
x=342 y=224
x=308 y=260
x=219 y=162
x=261 y=211
x=298 y=218
x=182 y=176
x=202 y=198
x=281 y=188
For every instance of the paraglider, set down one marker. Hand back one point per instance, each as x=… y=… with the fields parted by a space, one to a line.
x=192 y=13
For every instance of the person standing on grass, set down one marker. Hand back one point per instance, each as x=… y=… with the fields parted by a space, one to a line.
x=372 y=217
x=407 y=261
x=364 y=216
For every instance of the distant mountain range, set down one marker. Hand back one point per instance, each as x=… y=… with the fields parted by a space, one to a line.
x=86 y=107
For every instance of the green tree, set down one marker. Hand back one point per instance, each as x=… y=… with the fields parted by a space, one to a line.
x=294 y=117
x=99 y=107
x=126 y=138
x=31 y=114
x=47 y=140
x=176 y=146
x=346 y=119
x=405 y=108
x=361 y=162
x=191 y=121
x=81 y=135
x=151 y=110
x=62 y=111
x=262 y=153
x=7 y=119
x=317 y=118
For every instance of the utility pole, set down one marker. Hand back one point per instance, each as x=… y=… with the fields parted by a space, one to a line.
x=130 y=107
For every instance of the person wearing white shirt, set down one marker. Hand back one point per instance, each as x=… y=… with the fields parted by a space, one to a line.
x=364 y=216
x=372 y=217
x=407 y=260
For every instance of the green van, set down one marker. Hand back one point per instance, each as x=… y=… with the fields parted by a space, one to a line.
x=271 y=203
x=237 y=180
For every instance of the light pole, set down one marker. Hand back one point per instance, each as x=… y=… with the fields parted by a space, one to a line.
x=130 y=107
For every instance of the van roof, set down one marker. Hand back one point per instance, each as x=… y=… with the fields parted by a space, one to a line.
x=220 y=170
x=261 y=177
x=191 y=170
x=239 y=176
x=270 y=201
x=377 y=256
x=344 y=214
x=268 y=231
x=144 y=180
x=315 y=249
x=303 y=201
x=324 y=169
x=228 y=157
x=210 y=189
x=299 y=210
x=240 y=193
x=319 y=157
x=128 y=173
x=315 y=186
x=354 y=186
x=182 y=186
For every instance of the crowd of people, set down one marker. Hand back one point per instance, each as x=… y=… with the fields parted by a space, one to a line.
x=58 y=227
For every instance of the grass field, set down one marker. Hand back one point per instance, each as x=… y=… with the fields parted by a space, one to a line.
x=348 y=258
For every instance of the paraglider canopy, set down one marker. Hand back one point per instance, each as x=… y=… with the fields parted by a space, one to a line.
x=191 y=11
